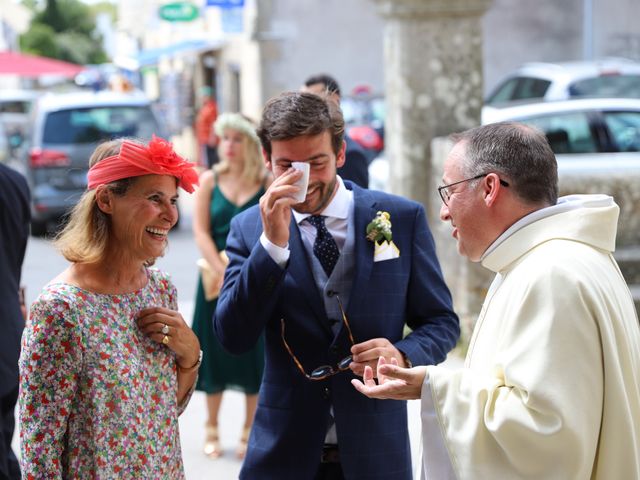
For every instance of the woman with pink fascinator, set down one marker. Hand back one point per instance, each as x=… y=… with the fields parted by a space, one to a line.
x=107 y=362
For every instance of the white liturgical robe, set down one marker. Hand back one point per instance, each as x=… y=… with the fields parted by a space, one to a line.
x=550 y=388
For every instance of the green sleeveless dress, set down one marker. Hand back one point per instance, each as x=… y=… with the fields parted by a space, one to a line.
x=221 y=370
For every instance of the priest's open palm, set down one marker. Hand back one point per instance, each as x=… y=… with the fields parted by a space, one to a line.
x=394 y=382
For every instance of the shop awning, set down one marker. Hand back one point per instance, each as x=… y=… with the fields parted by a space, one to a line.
x=152 y=56
x=14 y=63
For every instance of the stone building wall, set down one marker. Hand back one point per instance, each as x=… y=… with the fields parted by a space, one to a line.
x=300 y=38
x=516 y=32
x=345 y=38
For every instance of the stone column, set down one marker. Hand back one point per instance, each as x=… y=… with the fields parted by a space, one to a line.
x=433 y=84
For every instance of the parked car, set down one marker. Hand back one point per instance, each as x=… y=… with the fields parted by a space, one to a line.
x=611 y=77
x=15 y=107
x=66 y=128
x=603 y=129
x=588 y=135
x=597 y=146
x=16 y=101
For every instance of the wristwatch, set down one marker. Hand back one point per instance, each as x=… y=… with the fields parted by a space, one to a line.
x=193 y=368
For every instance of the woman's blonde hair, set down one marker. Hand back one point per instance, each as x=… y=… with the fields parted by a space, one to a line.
x=85 y=237
x=254 y=169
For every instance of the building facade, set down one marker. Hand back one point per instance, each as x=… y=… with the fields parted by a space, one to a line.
x=251 y=53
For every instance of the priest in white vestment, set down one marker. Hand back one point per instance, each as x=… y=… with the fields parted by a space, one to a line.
x=550 y=388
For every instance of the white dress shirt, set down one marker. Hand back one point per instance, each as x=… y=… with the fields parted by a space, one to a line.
x=337 y=222
x=337 y=213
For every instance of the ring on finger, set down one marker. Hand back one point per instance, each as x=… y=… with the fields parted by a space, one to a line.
x=165 y=329
x=165 y=340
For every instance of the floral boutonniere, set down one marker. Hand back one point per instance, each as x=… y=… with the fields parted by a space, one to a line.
x=379 y=232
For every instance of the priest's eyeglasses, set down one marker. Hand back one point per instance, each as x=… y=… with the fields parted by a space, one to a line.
x=445 y=194
x=324 y=371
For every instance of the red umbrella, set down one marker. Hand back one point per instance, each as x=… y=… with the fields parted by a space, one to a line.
x=13 y=63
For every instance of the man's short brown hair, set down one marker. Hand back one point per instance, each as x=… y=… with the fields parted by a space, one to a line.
x=295 y=114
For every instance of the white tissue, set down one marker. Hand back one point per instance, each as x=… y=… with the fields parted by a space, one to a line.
x=303 y=183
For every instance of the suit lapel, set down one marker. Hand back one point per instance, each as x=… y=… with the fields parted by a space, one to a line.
x=364 y=210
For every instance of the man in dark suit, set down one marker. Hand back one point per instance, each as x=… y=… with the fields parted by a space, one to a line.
x=356 y=166
x=294 y=269
x=14 y=231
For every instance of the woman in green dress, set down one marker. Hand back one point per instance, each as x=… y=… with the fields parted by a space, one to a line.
x=230 y=187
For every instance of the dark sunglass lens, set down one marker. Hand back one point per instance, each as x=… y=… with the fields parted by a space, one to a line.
x=322 y=372
x=344 y=363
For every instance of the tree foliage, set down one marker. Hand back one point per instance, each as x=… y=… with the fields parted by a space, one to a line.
x=66 y=30
x=75 y=48
x=40 y=39
x=105 y=7
x=31 y=4
x=52 y=16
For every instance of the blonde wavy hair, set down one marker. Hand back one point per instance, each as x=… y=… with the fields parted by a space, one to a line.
x=85 y=237
x=254 y=169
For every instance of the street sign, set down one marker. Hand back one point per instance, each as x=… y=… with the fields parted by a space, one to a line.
x=225 y=3
x=178 y=12
x=232 y=19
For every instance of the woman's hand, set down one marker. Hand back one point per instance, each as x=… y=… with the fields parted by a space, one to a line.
x=220 y=279
x=167 y=327
x=217 y=265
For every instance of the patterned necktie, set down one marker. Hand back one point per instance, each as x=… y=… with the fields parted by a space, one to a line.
x=324 y=248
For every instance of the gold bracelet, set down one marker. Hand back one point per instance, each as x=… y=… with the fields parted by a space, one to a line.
x=190 y=369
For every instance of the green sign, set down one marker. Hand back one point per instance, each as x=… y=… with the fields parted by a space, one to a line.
x=178 y=12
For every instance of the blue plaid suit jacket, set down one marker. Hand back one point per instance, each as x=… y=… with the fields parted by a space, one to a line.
x=293 y=412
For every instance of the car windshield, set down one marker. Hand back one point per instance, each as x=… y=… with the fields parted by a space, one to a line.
x=90 y=125
x=566 y=132
x=15 y=106
x=625 y=130
x=518 y=88
x=627 y=86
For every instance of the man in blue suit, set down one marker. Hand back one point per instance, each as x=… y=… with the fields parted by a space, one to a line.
x=14 y=232
x=306 y=275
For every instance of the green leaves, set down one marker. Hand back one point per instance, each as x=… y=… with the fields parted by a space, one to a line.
x=66 y=30
x=379 y=229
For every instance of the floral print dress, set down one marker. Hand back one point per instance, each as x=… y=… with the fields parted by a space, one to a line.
x=97 y=397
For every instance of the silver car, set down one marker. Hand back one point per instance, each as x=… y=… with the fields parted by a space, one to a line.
x=66 y=128
x=591 y=134
x=597 y=145
x=15 y=107
x=540 y=81
x=602 y=130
